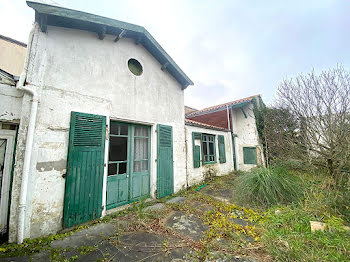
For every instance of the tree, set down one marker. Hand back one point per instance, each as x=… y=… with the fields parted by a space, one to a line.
x=320 y=104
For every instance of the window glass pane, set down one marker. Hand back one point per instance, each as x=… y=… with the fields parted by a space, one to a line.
x=145 y=131
x=114 y=128
x=205 y=150
x=118 y=148
x=112 y=169
x=122 y=168
x=144 y=165
x=123 y=129
x=140 y=148
x=138 y=131
x=137 y=166
x=211 y=148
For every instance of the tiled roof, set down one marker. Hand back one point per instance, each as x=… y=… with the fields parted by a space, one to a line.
x=195 y=123
x=222 y=106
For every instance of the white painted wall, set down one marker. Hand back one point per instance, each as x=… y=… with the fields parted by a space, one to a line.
x=10 y=103
x=195 y=175
x=75 y=71
x=247 y=135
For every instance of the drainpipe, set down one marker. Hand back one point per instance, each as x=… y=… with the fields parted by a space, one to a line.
x=186 y=151
x=228 y=118
x=29 y=140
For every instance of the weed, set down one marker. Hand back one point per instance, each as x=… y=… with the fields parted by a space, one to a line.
x=267 y=186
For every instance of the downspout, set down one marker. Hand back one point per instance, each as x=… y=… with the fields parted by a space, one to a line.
x=29 y=140
x=186 y=150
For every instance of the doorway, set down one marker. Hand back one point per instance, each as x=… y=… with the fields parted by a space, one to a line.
x=128 y=177
x=7 y=144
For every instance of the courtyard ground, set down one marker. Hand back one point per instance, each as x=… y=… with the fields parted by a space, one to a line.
x=198 y=224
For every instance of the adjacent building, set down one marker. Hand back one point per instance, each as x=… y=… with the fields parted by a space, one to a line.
x=97 y=121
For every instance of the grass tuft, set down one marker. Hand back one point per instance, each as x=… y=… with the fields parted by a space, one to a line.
x=267 y=187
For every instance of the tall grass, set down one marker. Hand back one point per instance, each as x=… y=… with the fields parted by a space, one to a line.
x=267 y=187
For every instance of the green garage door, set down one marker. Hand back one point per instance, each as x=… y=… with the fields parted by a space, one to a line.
x=83 y=192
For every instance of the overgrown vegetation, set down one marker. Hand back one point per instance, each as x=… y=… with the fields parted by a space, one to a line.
x=267 y=187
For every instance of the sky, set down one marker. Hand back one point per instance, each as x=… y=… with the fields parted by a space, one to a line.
x=229 y=48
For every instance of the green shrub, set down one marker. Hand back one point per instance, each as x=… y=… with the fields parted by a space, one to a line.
x=267 y=186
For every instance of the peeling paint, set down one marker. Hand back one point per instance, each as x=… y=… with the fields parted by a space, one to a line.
x=52 y=145
x=51 y=165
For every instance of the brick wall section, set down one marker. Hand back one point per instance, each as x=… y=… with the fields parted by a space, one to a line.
x=218 y=119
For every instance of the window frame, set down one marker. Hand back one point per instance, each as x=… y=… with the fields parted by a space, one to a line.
x=206 y=143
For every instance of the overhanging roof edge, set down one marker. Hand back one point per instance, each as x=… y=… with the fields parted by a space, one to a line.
x=46 y=9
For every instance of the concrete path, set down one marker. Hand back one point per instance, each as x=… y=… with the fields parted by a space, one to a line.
x=167 y=239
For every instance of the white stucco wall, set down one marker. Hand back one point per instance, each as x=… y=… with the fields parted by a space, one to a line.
x=195 y=175
x=247 y=135
x=75 y=71
x=10 y=103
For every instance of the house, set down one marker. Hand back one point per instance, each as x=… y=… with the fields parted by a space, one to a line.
x=101 y=122
x=12 y=54
x=237 y=117
x=97 y=121
x=189 y=110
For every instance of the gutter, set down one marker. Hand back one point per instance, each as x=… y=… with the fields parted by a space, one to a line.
x=29 y=139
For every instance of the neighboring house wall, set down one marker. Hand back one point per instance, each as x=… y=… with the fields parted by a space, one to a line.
x=189 y=110
x=247 y=135
x=73 y=70
x=12 y=55
x=195 y=175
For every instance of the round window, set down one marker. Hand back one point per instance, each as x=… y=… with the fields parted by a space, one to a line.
x=135 y=67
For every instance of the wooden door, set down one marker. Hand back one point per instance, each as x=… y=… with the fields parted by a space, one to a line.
x=83 y=192
x=165 y=179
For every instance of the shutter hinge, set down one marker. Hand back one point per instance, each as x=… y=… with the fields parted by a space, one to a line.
x=105 y=165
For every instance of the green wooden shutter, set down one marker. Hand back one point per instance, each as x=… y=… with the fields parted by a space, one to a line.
x=249 y=155
x=165 y=179
x=222 y=153
x=85 y=165
x=196 y=150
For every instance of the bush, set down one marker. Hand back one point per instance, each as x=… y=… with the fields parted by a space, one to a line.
x=267 y=186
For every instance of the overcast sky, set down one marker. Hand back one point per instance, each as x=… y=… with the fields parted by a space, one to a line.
x=230 y=49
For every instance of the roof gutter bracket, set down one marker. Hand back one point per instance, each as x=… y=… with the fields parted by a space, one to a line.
x=120 y=36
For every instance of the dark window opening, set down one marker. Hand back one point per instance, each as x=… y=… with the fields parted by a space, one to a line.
x=119 y=129
x=135 y=67
x=118 y=148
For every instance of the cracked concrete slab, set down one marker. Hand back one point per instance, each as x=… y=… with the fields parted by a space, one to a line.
x=86 y=237
x=187 y=224
x=158 y=206
x=175 y=200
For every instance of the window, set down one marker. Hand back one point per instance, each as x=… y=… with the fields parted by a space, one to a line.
x=135 y=67
x=118 y=149
x=208 y=148
x=141 y=137
x=249 y=155
x=222 y=153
